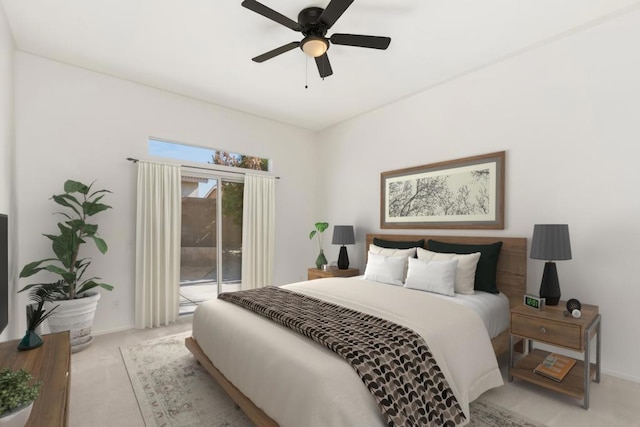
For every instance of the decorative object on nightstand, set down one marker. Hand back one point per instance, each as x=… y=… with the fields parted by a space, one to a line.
x=574 y=307
x=555 y=366
x=319 y=229
x=343 y=235
x=551 y=243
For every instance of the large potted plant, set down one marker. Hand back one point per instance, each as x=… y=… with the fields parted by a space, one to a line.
x=73 y=293
x=17 y=394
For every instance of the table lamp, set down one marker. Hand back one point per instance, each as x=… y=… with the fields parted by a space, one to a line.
x=343 y=235
x=551 y=243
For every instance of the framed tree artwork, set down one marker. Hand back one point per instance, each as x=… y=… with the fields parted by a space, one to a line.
x=463 y=193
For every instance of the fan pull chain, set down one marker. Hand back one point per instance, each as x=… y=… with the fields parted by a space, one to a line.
x=306 y=72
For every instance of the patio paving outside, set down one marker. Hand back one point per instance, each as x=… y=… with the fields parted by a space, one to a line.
x=198 y=284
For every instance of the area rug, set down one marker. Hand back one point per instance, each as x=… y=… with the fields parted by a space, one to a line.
x=173 y=390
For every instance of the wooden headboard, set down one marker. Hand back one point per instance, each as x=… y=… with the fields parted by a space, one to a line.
x=511 y=274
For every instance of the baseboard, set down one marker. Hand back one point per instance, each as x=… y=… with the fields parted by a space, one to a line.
x=621 y=376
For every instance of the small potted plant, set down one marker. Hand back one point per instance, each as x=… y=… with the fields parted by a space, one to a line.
x=17 y=394
x=319 y=228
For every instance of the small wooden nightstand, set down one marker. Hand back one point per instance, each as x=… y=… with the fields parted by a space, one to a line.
x=315 y=273
x=551 y=326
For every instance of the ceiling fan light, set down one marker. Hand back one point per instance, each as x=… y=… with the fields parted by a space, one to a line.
x=314 y=46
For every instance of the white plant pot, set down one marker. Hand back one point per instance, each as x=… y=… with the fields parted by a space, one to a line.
x=16 y=419
x=75 y=316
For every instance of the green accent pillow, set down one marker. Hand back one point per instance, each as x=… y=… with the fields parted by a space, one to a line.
x=393 y=244
x=487 y=265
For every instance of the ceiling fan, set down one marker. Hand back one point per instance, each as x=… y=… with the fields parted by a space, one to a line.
x=313 y=23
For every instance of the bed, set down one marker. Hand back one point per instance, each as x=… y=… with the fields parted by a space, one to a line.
x=298 y=382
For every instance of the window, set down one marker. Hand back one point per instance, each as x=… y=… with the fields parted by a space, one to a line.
x=211 y=244
x=191 y=153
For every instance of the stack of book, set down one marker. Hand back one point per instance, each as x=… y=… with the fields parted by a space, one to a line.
x=555 y=366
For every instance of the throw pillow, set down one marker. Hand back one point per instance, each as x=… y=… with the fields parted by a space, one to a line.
x=385 y=269
x=487 y=265
x=432 y=276
x=398 y=244
x=465 y=272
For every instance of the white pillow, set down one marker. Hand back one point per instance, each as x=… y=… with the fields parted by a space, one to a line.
x=385 y=269
x=466 y=271
x=410 y=253
x=432 y=276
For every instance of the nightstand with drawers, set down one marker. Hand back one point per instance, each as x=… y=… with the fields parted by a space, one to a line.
x=553 y=327
x=315 y=273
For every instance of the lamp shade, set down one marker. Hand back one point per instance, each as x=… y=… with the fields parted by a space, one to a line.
x=343 y=235
x=551 y=242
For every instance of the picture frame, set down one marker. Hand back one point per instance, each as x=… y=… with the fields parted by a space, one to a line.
x=463 y=193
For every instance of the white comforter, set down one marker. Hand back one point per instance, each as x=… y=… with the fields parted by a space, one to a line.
x=298 y=382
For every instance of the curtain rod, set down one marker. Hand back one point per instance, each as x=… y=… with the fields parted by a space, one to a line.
x=131 y=159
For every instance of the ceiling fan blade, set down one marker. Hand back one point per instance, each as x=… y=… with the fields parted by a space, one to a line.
x=276 y=52
x=333 y=11
x=324 y=66
x=271 y=14
x=373 y=42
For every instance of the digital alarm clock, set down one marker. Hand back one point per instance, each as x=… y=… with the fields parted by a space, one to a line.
x=534 y=301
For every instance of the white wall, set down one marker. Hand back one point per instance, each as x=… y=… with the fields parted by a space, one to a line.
x=7 y=139
x=568 y=116
x=75 y=124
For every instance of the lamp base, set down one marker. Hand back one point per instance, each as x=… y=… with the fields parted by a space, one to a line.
x=550 y=287
x=343 y=258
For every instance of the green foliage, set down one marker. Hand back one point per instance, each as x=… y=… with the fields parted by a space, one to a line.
x=40 y=293
x=240 y=161
x=81 y=203
x=320 y=227
x=232 y=198
x=232 y=201
x=15 y=390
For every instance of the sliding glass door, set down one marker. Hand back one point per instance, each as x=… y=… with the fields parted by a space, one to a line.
x=211 y=246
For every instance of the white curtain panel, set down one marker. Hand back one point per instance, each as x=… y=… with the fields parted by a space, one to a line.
x=258 y=231
x=159 y=210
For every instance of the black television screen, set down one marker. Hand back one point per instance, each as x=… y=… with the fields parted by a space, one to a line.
x=4 y=272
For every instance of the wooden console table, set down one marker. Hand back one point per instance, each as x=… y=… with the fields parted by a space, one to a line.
x=51 y=364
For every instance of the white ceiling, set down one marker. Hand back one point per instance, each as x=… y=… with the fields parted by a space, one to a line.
x=203 y=48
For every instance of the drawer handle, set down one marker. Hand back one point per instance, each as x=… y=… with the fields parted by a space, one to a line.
x=543 y=331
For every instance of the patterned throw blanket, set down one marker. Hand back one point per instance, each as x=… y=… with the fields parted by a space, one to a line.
x=394 y=362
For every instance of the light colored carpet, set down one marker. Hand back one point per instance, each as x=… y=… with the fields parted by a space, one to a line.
x=174 y=391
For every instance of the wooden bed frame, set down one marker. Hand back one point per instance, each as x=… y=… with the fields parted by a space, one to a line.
x=511 y=281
